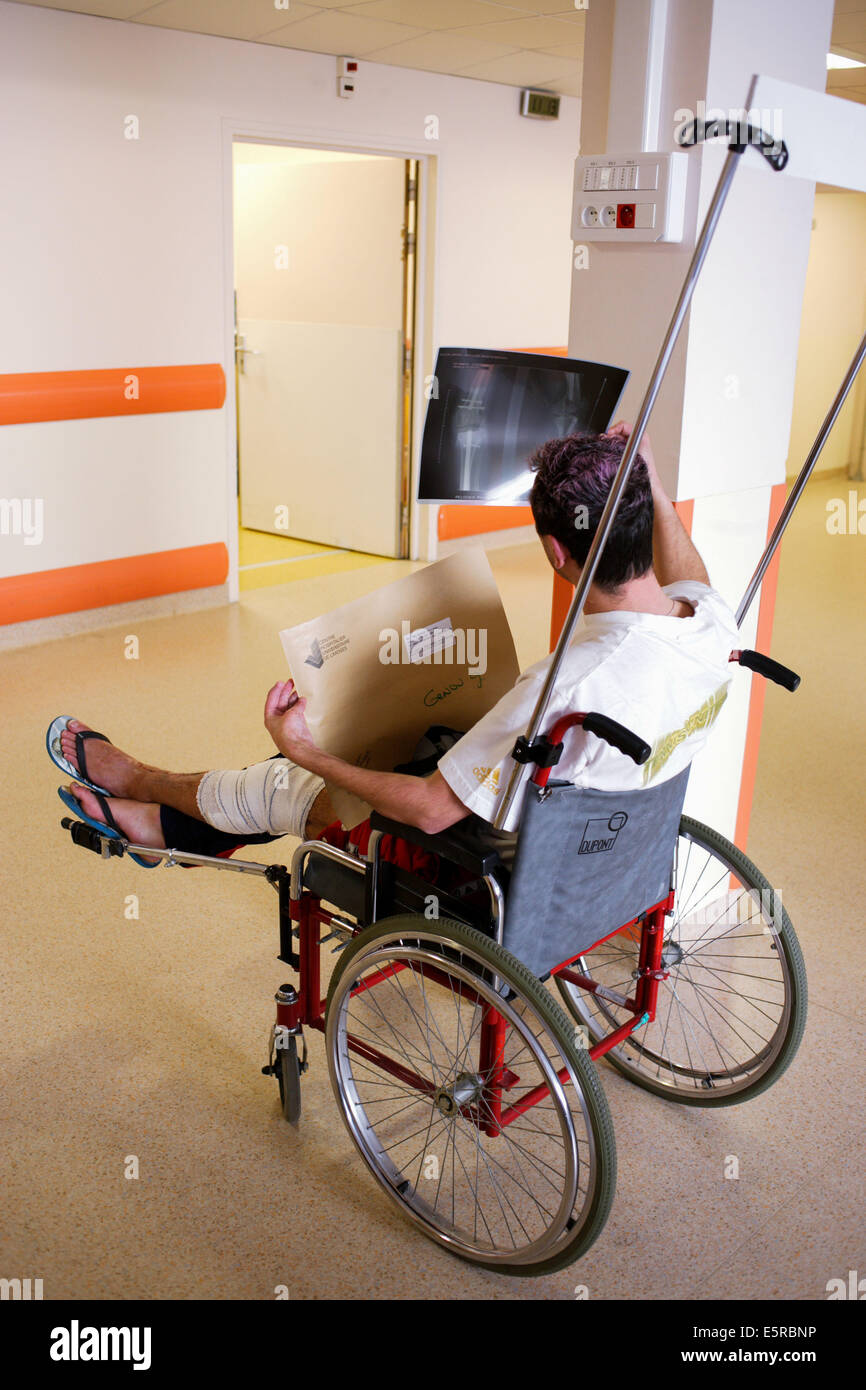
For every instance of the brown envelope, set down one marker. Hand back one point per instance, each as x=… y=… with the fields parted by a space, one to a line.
x=431 y=648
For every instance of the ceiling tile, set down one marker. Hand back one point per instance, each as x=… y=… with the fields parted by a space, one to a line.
x=560 y=7
x=571 y=86
x=322 y=5
x=564 y=50
x=538 y=6
x=847 y=93
x=841 y=78
x=103 y=9
x=849 y=31
x=440 y=14
x=225 y=18
x=336 y=31
x=444 y=51
x=529 y=32
x=519 y=69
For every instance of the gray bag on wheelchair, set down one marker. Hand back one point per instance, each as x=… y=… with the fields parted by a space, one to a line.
x=433 y=744
x=587 y=863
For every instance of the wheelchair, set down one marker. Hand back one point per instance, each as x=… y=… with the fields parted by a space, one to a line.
x=462 y=1033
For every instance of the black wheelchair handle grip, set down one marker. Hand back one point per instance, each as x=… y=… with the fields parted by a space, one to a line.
x=618 y=736
x=773 y=670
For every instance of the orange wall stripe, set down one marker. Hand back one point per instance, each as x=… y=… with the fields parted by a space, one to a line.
x=44 y=595
x=474 y=521
x=29 y=397
x=763 y=639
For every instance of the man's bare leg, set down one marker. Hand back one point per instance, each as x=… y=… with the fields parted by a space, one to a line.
x=139 y=788
x=141 y=823
x=321 y=813
x=125 y=777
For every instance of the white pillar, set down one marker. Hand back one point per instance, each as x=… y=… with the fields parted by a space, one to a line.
x=722 y=420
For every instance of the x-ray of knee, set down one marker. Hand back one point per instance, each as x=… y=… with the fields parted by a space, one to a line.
x=489 y=410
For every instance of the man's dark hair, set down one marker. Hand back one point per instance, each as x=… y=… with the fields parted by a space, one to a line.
x=573 y=478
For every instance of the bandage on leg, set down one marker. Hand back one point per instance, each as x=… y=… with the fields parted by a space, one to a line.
x=270 y=798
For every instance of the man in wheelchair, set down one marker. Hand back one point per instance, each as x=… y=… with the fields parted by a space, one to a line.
x=651 y=652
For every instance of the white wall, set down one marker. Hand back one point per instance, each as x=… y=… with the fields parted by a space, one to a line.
x=721 y=424
x=723 y=413
x=112 y=250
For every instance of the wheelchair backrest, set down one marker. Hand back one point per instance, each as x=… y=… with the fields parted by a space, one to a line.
x=587 y=862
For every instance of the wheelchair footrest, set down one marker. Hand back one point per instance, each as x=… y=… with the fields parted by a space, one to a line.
x=88 y=838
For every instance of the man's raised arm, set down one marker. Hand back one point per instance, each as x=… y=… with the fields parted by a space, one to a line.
x=674 y=555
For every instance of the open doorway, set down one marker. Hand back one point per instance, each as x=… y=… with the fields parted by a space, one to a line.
x=325 y=288
x=834 y=312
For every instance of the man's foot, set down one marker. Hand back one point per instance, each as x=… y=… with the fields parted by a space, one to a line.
x=139 y=820
x=107 y=765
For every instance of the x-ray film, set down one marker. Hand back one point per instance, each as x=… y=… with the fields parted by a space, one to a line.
x=489 y=411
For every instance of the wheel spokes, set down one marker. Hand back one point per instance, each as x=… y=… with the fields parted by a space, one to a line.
x=722 y=1011
x=486 y=1185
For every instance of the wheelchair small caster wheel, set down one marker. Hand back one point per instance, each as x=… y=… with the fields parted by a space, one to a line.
x=288 y=1067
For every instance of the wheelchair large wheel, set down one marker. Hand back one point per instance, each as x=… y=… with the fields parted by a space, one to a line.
x=513 y=1186
x=730 y=1016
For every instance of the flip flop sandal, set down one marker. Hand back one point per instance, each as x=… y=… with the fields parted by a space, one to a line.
x=108 y=827
x=52 y=743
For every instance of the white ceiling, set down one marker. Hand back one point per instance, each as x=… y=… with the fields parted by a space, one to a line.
x=849 y=39
x=522 y=43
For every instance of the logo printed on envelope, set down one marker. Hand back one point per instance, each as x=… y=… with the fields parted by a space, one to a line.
x=323 y=648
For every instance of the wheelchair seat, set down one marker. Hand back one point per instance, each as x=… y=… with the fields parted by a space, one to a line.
x=458 y=844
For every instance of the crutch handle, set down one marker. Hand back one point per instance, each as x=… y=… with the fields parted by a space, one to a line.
x=775 y=151
x=766 y=666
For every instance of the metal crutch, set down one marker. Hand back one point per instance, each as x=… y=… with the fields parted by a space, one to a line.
x=531 y=748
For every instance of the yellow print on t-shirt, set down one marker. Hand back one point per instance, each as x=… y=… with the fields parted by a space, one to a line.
x=488 y=777
x=701 y=719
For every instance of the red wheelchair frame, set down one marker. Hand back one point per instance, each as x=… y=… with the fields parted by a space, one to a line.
x=306 y=1008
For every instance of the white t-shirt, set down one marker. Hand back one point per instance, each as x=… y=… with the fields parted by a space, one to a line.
x=664 y=678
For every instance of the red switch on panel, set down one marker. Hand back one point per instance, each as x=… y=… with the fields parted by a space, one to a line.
x=625 y=214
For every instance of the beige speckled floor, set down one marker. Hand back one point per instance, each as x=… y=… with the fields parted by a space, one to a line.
x=145 y=1037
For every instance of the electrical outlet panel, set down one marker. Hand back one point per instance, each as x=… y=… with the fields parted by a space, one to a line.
x=629 y=197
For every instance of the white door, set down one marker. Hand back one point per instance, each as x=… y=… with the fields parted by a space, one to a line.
x=319 y=279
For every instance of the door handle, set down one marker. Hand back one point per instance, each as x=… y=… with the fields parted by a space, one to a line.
x=240 y=350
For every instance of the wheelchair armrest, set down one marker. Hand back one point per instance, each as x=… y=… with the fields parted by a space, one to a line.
x=455 y=844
